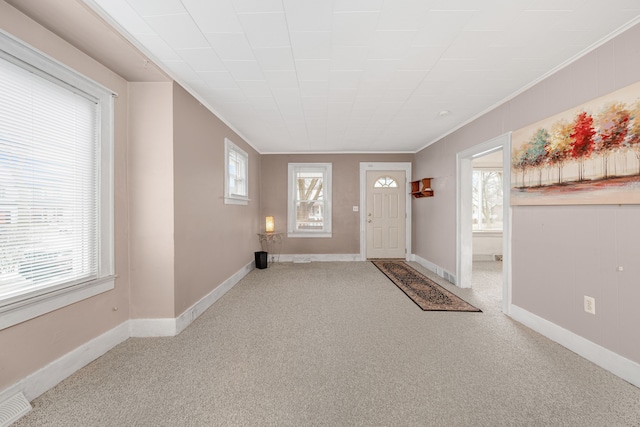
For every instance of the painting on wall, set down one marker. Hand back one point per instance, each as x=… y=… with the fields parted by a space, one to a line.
x=586 y=155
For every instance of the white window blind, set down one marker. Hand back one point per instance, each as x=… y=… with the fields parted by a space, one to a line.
x=48 y=171
x=56 y=188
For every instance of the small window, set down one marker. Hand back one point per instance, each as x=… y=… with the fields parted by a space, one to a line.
x=309 y=213
x=487 y=200
x=236 y=187
x=385 y=182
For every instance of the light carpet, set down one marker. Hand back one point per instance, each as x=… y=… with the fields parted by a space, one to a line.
x=332 y=344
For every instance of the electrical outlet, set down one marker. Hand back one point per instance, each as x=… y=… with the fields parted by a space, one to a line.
x=590 y=304
x=355 y=209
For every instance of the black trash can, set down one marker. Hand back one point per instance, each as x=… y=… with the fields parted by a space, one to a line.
x=261 y=259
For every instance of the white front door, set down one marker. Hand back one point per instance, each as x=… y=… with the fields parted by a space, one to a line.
x=386 y=214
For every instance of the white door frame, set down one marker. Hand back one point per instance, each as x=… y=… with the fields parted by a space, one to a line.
x=464 y=235
x=383 y=166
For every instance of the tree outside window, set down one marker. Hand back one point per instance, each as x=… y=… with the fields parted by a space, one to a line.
x=487 y=200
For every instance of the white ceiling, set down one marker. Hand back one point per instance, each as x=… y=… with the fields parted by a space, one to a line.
x=360 y=75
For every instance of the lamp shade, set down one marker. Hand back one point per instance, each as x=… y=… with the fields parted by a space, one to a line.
x=270 y=224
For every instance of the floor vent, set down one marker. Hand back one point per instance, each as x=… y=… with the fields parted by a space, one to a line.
x=12 y=409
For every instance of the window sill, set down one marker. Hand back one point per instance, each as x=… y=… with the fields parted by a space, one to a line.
x=22 y=311
x=306 y=235
x=235 y=201
x=487 y=233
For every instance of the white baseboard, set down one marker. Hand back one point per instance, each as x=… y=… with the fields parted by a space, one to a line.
x=45 y=378
x=446 y=275
x=170 y=327
x=626 y=369
x=318 y=257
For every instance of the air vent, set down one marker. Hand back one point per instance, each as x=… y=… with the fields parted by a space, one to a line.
x=13 y=409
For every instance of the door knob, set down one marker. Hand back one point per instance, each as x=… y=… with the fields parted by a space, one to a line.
x=368 y=220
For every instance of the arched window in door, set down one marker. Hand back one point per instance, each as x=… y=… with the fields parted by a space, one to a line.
x=385 y=182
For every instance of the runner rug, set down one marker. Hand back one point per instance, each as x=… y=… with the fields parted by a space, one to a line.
x=426 y=293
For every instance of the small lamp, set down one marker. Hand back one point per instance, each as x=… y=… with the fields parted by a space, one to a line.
x=270 y=224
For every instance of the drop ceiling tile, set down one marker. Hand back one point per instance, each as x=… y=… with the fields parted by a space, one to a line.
x=244 y=70
x=308 y=15
x=255 y=88
x=232 y=99
x=127 y=17
x=272 y=22
x=313 y=70
x=314 y=104
x=342 y=94
x=265 y=29
x=407 y=79
x=357 y=5
x=380 y=69
x=218 y=79
x=259 y=40
x=287 y=96
x=492 y=17
x=311 y=44
x=282 y=79
x=274 y=58
x=345 y=79
x=401 y=16
x=257 y=6
x=441 y=27
x=182 y=69
x=472 y=44
x=421 y=57
x=349 y=57
x=314 y=88
x=230 y=46
x=348 y=21
x=178 y=31
x=154 y=7
x=158 y=48
x=202 y=59
x=391 y=44
x=214 y=16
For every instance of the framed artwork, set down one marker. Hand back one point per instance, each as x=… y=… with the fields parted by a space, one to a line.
x=586 y=155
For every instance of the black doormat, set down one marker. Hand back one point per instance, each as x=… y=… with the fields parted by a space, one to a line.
x=426 y=293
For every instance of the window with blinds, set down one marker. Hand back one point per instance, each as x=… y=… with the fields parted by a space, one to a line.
x=55 y=212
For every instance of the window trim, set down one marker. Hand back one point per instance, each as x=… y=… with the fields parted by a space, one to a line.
x=14 y=311
x=235 y=199
x=293 y=169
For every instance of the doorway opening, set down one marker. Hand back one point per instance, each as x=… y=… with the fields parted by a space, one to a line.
x=476 y=217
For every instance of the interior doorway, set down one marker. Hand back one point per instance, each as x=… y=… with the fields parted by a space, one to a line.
x=465 y=209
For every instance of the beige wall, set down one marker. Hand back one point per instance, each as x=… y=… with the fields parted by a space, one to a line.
x=212 y=240
x=559 y=253
x=346 y=194
x=151 y=213
x=31 y=345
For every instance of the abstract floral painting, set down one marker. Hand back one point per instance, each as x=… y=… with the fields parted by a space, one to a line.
x=586 y=155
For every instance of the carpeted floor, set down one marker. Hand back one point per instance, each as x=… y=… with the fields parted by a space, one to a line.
x=332 y=344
